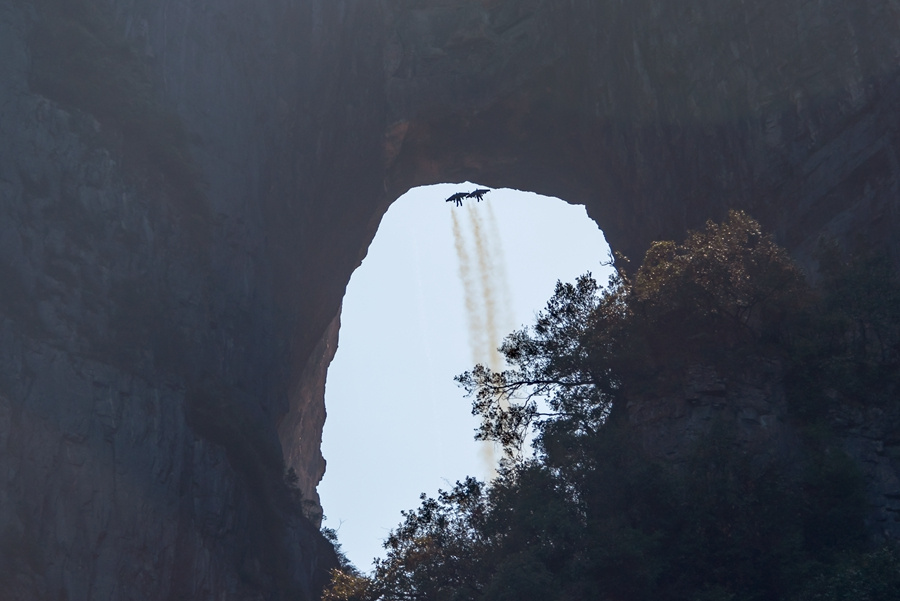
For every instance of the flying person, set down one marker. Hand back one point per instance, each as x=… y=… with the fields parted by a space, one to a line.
x=458 y=198
x=478 y=194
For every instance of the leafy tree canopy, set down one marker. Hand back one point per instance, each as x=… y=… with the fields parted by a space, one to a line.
x=727 y=291
x=590 y=514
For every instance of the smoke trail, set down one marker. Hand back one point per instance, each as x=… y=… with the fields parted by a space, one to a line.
x=484 y=290
x=504 y=321
x=473 y=315
x=487 y=353
x=485 y=273
x=500 y=283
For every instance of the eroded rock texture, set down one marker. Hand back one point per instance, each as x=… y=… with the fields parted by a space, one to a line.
x=748 y=412
x=146 y=354
x=186 y=186
x=658 y=115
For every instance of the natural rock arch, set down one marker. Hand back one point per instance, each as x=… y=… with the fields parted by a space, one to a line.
x=128 y=319
x=655 y=115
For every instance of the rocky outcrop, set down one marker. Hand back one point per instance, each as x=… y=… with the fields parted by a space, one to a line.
x=872 y=437
x=750 y=405
x=748 y=410
x=187 y=185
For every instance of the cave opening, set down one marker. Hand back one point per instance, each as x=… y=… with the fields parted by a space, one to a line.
x=440 y=287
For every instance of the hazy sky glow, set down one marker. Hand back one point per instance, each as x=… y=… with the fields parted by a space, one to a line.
x=397 y=423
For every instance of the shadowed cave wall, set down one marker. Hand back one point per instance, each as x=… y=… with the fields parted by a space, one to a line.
x=170 y=292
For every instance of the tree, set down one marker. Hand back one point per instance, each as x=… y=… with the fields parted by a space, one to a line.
x=727 y=290
x=438 y=553
x=561 y=361
x=590 y=514
x=348 y=584
x=730 y=277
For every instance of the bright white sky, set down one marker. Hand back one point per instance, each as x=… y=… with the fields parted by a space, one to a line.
x=397 y=424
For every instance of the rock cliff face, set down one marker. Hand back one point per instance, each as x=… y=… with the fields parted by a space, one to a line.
x=750 y=411
x=147 y=356
x=658 y=115
x=187 y=185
